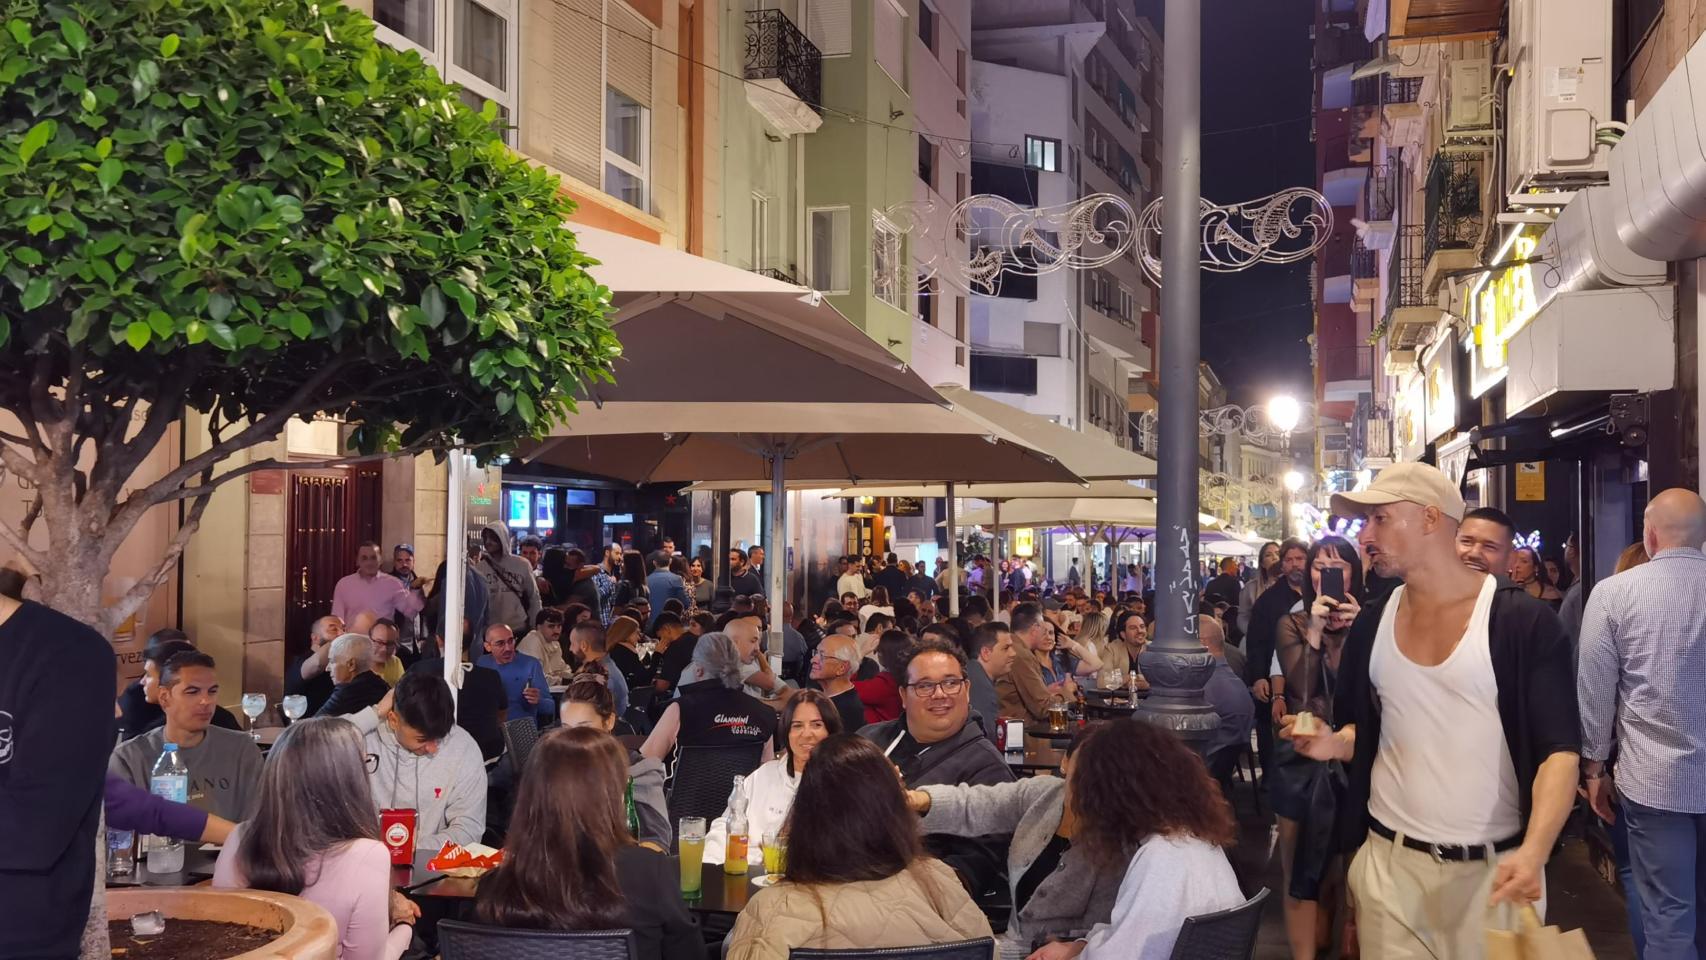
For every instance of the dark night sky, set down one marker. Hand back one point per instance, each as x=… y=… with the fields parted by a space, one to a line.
x=1255 y=75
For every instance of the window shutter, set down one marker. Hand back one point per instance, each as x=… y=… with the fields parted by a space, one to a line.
x=890 y=33
x=630 y=53
x=1042 y=339
x=577 y=93
x=829 y=26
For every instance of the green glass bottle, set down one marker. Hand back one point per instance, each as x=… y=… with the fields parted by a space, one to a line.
x=633 y=811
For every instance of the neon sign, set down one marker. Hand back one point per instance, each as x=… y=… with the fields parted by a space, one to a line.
x=1506 y=302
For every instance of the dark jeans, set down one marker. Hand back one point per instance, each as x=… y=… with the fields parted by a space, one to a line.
x=1619 y=832
x=1668 y=853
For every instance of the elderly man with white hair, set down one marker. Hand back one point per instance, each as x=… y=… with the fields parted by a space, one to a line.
x=356 y=686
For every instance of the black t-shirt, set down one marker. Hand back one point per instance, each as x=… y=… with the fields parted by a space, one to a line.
x=633 y=671
x=56 y=732
x=669 y=664
x=745 y=584
x=477 y=706
x=852 y=710
x=361 y=692
x=712 y=715
x=317 y=690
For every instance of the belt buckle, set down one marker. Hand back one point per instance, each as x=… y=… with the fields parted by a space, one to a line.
x=1435 y=850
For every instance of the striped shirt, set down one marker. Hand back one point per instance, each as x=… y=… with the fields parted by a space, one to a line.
x=1642 y=667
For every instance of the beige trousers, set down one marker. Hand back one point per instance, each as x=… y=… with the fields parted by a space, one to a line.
x=1412 y=907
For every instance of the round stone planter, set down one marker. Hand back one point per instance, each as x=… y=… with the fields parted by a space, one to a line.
x=305 y=930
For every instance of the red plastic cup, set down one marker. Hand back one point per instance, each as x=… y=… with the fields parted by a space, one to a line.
x=397 y=829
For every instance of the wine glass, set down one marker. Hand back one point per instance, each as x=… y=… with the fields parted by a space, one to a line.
x=294 y=706
x=254 y=704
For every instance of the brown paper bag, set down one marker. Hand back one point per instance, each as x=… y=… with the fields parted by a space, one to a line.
x=1535 y=942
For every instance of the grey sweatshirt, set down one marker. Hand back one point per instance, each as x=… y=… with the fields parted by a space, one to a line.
x=225 y=769
x=447 y=790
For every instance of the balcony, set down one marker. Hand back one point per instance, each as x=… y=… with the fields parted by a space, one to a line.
x=1400 y=98
x=1443 y=19
x=1380 y=203
x=1365 y=273
x=1454 y=216
x=1103 y=323
x=784 y=73
x=1346 y=372
x=778 y=274
x=1410 y=314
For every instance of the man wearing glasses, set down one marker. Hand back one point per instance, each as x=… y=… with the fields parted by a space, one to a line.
x=833 y=663
x=936 y=742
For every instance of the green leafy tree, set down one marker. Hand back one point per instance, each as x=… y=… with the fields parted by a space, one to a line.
x=253 y=210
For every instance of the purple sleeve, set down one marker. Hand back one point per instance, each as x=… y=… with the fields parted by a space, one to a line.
x=129 y=807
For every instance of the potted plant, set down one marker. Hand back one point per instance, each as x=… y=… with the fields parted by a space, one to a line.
x=305 y=930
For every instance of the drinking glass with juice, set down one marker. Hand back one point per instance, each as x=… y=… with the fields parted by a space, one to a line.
x=775 y=855
x=690 y=842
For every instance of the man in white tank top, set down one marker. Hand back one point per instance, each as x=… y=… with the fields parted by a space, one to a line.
x=1466 y=765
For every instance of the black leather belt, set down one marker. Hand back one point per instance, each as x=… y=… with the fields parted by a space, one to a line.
x=1445 y=852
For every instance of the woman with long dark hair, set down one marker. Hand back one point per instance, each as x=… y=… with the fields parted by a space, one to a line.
x=1529 y=573
x=807 y=720
x=1307 y=645
x=570 y=862
x=588 y=702
x=1074 y=836
x=856 y=874
x=316 y=836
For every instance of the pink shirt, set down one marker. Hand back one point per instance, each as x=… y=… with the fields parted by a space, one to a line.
x=384 y=594
x=353 y=883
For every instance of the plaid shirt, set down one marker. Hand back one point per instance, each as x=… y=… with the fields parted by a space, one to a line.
x=1643 y=665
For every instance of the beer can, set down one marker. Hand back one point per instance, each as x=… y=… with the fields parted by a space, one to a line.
x=397 y=829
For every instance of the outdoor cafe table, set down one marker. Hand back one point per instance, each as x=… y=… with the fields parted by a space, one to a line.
x=198 y=866
x=1042 y=754
x=719 y=893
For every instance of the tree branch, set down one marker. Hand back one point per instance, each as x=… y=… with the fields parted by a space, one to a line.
x=19 y=540
x=138 y=594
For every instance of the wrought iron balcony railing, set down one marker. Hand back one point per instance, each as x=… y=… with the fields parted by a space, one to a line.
x=1404 y=276
x=1454 y=214
x=1380 y=191
x=777 y=274
x=1363 y=264
x=1400 y=90
x=777 y=50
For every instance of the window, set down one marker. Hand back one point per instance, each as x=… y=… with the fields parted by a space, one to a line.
x=886 y=262
x=994 y=373
x=827 y=251
x=627 y=148
x=960 y=72
x=927 y=299
x=760 y=231
x=1042 y=338
x=472 y=43
x=927 y=161
x=960 y=106
x=927 y=26
x=959 y=187
x=1042 y=153
x=890 y=40
x=960 y=319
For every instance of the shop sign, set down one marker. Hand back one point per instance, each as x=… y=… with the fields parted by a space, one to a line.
x=483 y=490
x=1503 y=302
x=1408 y=419
x=906 y=507
x=1439 y=388
x=1024 y=541
x=1531 y=482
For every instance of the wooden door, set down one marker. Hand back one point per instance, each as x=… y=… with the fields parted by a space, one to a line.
x=330 y=513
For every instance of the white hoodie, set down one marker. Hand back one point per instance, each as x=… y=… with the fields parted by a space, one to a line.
x=769 y=796
x=447 y=790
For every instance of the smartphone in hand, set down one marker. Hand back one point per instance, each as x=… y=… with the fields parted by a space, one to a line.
x=1333 y=583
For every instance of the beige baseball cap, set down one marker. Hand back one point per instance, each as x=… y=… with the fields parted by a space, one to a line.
x=1416 y=483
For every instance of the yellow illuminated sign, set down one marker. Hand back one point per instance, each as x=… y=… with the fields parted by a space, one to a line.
x=1024 y=542
x=1506 y=303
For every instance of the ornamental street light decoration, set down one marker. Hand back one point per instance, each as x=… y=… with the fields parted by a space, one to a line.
x=1258 y=423
x=1282 y=227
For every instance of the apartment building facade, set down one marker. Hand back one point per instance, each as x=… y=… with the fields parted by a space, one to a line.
x=1524 y=256
x=1063 y=102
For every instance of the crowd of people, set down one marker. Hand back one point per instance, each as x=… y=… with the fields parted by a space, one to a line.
x=1426 y=698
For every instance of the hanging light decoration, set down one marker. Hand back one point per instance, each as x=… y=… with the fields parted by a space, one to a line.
x=1282 y=227
x=1254 y=423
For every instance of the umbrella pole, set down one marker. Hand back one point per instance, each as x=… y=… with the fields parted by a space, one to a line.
x=455 y=571
x=778 y=563
x=995 y=567
x=953 y=553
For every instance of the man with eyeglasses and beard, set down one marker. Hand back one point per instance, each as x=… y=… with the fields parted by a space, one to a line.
x=936 y=741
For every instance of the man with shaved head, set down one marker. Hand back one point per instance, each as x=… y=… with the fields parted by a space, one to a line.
x=1643 y=655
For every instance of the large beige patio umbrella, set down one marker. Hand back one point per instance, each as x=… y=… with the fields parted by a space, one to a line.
x=729 y=375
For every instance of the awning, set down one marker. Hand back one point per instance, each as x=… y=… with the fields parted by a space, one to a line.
x=1085 y=454
x=1592 y=342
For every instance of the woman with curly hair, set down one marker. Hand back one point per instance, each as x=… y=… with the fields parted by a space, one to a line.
x=1119 y=849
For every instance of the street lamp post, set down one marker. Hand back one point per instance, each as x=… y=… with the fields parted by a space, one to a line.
x=1176 y=664
x=1290 y=484
x=1284 y=413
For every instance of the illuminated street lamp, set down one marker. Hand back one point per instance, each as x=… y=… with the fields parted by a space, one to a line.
x=1293 y=481
x=1284 y=413
x=1289 y=484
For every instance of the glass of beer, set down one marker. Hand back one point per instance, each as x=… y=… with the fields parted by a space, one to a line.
x=690 y=842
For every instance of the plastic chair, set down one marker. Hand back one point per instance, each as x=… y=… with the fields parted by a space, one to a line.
x=704 y=776
x=521 y=735
x=979 y=949
x=1226 y=935
x=472 y=941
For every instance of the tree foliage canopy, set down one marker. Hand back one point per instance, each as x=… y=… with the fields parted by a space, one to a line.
x=252 y=209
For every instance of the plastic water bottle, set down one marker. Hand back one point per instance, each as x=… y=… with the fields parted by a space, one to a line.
x=171 y=780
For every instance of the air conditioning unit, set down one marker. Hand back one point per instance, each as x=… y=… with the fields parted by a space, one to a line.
x=1559 y=95
x=1468 y=97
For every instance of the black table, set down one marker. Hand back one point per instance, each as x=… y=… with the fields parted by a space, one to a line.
x=198 y=866
x=1041 y=756
x=720 y=893
x=419 y=881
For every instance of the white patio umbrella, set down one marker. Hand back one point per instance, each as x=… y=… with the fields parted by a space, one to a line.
x=1090 y=520
x=729 y=375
